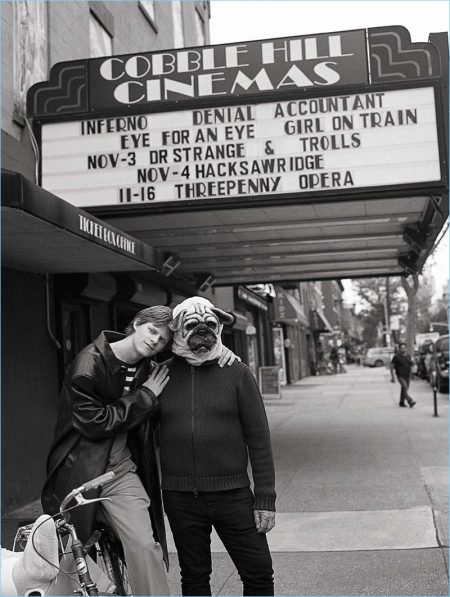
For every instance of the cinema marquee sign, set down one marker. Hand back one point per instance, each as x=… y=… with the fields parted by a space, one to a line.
x=152 y=78
x=288 y=116
x=320 y=60
x=306 y=145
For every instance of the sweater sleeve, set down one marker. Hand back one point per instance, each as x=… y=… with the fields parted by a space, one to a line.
x=257 y=437
x=96 y=419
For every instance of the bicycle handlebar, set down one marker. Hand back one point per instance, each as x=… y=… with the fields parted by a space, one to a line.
x=97 y=482
x=88 y=486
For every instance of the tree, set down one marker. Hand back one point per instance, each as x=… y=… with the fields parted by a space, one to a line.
x=424 y=300
x=409 y=297
x=411 y=286
x=379 y=298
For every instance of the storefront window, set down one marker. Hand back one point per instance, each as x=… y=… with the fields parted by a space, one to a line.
x=278 y=352
x=252 y=355
x=100 y=40
x=200 y=29
x=148 y=6
x=177 y=17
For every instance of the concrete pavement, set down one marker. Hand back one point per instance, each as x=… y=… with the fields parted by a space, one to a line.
x=362 y=489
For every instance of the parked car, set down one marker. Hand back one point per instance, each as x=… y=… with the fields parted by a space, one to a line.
x=439 y=363
x=378 y=356
x=423 y=359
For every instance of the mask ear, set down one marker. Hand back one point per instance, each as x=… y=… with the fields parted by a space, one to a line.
x=224 y=317
x=176 y=323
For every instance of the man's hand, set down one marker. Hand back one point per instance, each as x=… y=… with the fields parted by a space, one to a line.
x=391 y=368
x=264 y=520
x=227 y=357
x=157 y=379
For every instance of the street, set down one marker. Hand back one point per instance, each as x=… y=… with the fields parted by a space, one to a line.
x=362 y=491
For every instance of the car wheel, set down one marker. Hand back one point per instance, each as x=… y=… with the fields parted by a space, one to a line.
x=379 y=363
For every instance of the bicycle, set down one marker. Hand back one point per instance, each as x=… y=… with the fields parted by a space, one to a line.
x=103 y=549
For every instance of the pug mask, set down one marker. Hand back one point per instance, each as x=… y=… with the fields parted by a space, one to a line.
x=197 y=326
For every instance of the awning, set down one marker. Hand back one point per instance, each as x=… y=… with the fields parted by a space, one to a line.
x=319 y=322
x=288 y=309
x=42 y=233
x=252 y=298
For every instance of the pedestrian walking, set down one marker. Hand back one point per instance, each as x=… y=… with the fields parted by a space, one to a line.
x=334 y=358
x=322 y=362
x=342 y=357
x=402 y=364
x=213 y=422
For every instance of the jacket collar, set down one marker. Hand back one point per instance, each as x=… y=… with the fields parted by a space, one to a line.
x=181 y=362
x=102 y=343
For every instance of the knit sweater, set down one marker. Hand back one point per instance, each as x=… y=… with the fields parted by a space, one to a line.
x=212 y=422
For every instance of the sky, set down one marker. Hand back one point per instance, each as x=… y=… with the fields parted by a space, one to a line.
x=237 y=20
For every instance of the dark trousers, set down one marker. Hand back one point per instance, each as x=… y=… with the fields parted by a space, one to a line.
x=191 y=520
x=404 y=384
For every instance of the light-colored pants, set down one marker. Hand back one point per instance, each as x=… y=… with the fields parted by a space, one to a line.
x=127 y=513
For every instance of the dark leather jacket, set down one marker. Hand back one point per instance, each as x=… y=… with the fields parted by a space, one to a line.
x=91 y=413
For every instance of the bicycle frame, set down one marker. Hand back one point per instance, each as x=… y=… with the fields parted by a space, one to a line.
x=64 y=529
x=87 y=585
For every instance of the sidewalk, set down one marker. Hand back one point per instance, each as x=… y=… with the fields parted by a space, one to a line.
x=362 y=489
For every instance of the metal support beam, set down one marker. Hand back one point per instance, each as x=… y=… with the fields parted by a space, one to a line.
x=170 y=264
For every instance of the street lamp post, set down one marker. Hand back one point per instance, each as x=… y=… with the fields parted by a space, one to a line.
x=386 y=313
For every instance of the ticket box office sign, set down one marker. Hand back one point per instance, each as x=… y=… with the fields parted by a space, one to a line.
x=291 y=117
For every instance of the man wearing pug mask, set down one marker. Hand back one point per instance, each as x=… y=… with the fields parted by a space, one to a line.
x=213 y=422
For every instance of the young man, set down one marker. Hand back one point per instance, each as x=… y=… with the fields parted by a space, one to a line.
x=213 y=422
x=402 y=364
x=109 y=403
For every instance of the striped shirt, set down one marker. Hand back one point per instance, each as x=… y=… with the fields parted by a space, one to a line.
x=119 y=450
x=129 y=376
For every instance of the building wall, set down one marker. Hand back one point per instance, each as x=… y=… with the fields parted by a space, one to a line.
x=68 y=39
x=7 y=69
x=68 y=31
x=17 y=154
x=297 y=353
x=332 y=300
x=29 y=387
x=351 y=325
x=132 y=32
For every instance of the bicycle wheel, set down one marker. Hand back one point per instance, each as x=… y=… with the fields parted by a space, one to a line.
x=111 y=560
